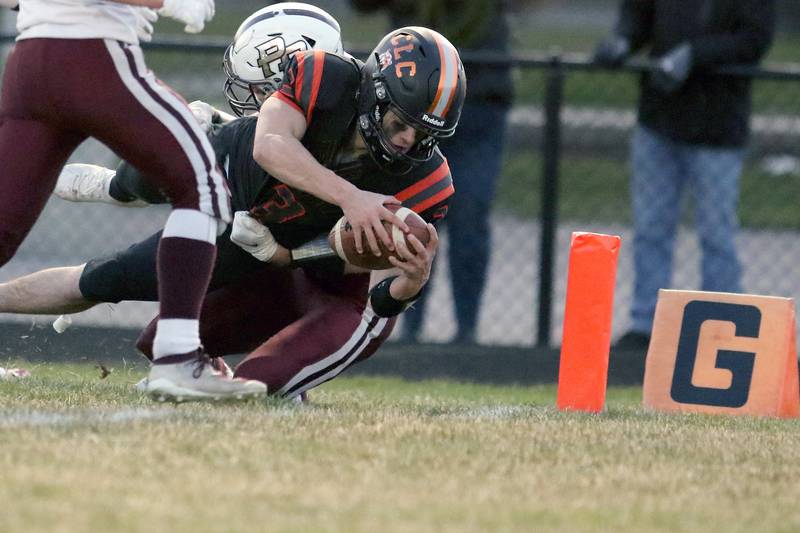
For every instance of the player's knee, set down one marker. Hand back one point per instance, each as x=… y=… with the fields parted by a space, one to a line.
x=103 y=280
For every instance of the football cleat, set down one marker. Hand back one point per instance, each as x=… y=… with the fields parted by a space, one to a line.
x=217 y=363
x=195 y=379
x=89 y=183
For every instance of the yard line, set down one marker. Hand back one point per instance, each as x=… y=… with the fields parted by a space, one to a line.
x=66 y=419
x=503 y=411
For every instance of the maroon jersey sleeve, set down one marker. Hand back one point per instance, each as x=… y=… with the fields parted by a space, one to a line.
x=313 y=81
x=429 y=196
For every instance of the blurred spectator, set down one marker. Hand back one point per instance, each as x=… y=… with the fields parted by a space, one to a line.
x=691 y=132
x=475 y=151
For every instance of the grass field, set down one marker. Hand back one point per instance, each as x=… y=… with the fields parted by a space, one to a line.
x=82 y=454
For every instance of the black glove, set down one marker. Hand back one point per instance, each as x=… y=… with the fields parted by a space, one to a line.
x=673 y=69
x=612 y=51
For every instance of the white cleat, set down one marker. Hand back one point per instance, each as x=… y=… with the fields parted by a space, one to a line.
x=141 y=385
x=197 y=380
x=89 y=183
x=217 y=363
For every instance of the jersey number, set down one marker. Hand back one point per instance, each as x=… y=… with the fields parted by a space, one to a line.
x=281 y=207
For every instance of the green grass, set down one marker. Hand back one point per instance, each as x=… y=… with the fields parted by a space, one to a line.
x=381 y=454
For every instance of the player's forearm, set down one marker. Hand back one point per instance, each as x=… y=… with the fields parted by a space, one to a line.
x=286 y=159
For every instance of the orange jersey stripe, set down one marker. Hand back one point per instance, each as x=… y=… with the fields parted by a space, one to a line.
x=435 y=176
x=433 y=200
x=288 y=99
x=319 y=64
x=298 y=82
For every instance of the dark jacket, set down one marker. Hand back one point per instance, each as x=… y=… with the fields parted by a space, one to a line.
x=708 y=109
x=474 y=25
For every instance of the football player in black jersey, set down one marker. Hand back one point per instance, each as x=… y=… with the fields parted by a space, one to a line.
x=335 y=130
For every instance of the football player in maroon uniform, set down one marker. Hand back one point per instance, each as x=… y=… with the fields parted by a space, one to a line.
x=342 y=124
x=45 y=115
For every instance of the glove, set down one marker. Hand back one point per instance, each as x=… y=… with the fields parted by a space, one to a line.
x=205 y=114
x=252 y=236
x=144 y=23
x=612 y=51
x=194 y=13
x=673 y=69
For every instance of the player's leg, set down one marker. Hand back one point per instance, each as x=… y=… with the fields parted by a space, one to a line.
x=656 y=186
x=332 y=334
x=129 y=186
x=53 y=291
x=26 y=182
x=238 y=317
x=33 y=148
x=81 y=182
x=715 y=174
x=151 y=127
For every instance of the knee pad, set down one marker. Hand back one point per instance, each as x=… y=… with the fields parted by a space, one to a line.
x=108 y=279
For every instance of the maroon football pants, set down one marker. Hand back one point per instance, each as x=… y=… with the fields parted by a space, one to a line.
x=298 y=330
x=58 y=92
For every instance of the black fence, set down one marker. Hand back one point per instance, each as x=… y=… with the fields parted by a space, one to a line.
x=565 y=169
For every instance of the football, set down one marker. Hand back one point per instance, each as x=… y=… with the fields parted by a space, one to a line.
x=342 y=239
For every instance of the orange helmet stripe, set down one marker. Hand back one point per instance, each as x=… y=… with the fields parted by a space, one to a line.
x=448 y=77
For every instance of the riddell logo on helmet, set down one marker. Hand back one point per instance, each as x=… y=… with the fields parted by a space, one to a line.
x=433 y=120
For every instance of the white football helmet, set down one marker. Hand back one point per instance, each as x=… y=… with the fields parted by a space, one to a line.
x=254 y=62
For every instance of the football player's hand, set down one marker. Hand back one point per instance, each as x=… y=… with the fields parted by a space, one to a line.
x=366 y=211
x=414 y=265
x=193 y=13
x=205 y=114
x=145 y=17
x=252 y=236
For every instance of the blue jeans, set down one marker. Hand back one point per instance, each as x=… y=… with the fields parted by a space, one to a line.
x=475 y=155
x=661 y=169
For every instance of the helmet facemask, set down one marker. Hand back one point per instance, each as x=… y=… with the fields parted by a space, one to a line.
x=244 y=97
x=377 y=134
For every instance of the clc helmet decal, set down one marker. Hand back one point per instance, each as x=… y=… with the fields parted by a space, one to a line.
x=417 y=73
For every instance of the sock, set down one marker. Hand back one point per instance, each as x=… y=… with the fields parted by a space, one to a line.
x=119 y=194
x=186 y=257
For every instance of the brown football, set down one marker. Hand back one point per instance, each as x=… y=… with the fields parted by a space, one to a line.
x=342 y=239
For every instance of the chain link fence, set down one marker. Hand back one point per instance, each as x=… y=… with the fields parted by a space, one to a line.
x=596 y=117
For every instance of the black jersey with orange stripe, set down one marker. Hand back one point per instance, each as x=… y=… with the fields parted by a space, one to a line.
x=322 y=86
